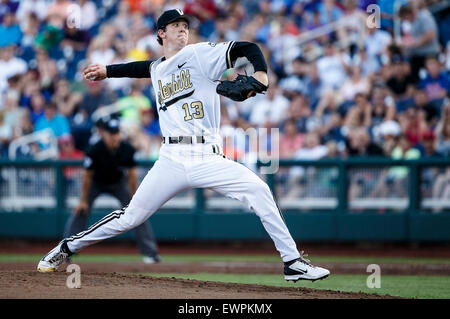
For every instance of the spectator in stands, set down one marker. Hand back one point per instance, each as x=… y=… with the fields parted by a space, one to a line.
x=58 y=12
x=312 y=149
x=65 y=100
x=355 y=84
x=7 y=6
x=222 y=31
x=328 y=11
x=49 y=37
x=327 y=119
x=10 y=32
x=386 y=136
x=331 y=68
x=404 y=150
x=430 y=112
x=53 y=120
x=38 y=8
x=443 y=132
x=100 y=50
x=148 y=139
x=359 y=144
x=67 y=150
x=25 y=126
x=75 y=39
x=383 y=105
x=97 y=95
x=359 y=114
x=37 y=104
x=47 y=70
x=10 y=65
x=427 y=147
x=13 y=112
x=71 y=106
x=400 y=83
x=436 y=84
x=300 y=112
x=291 y=140
x=205 y=11
x=353 y=26
x=303 y=79
x=131 y=108
x=413 y=124
x=422 y=40
x=122 y=19
x=376 y=43
x=88 y=13
x=30 y=29
x=264 y=114
x=173 y=4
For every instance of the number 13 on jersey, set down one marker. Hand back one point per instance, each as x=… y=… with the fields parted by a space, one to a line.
x=197 y=106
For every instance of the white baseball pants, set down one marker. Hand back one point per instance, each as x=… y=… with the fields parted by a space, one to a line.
x=175 y=172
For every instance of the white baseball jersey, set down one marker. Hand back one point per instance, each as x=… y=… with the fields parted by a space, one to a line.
x=183 y=86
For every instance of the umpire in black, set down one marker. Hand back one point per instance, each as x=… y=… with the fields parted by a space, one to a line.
x=110 y=168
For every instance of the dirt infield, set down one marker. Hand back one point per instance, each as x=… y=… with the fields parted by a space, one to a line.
x=31 y=284
x=123 y=279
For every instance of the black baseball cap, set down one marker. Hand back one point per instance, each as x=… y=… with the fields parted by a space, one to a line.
x=170 y=16
x=109 y=124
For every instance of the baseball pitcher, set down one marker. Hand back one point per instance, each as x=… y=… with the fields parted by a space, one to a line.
x=186 y=84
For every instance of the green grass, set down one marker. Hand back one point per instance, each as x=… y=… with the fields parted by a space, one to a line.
x=230 y=258
x=402 y=286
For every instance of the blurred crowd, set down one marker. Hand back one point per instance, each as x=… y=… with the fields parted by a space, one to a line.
x=344 y=81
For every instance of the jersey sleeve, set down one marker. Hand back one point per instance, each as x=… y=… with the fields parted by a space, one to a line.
x=214 y=58
x=88 y=162
x=138 y=69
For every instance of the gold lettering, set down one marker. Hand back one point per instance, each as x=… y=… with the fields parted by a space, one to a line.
x=175 y=86
x=181 y=82
x=161 y=97
x=188 y=78
x=182 y=79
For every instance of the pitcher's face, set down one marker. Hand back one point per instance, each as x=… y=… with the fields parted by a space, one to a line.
x=176 y=32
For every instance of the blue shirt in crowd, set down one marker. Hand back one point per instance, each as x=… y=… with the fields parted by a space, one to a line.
x=59 y=125
x=10 y=35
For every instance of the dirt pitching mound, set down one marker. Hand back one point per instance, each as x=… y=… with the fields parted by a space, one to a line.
x=31 y=284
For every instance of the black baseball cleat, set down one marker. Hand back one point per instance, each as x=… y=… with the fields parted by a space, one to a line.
x=301 y=269
x=54 y=259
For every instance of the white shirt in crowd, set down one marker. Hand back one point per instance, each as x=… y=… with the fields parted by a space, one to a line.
x=10 y=68
x=266 y=110
x=331 y=72
x=89 y=15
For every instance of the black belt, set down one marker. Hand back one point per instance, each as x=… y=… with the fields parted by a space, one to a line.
x=183 y=140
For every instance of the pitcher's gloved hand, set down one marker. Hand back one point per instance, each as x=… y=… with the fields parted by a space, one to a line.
x=241 y=88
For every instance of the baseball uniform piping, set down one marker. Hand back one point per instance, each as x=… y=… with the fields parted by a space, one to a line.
x=229 y=64
x=104 y=220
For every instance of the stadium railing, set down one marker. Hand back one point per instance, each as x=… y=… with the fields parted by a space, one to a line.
x=373 y=199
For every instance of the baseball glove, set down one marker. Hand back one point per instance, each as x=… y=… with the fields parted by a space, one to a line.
x=240 y=88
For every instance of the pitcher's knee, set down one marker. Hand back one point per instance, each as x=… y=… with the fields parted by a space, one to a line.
x=132 y=217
